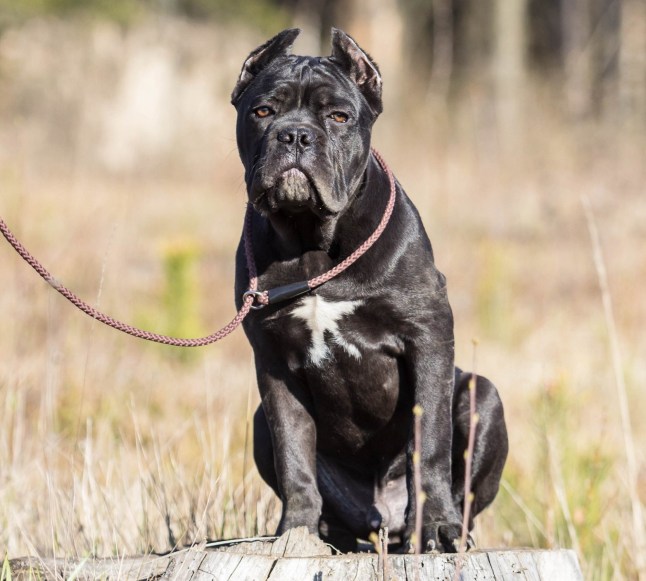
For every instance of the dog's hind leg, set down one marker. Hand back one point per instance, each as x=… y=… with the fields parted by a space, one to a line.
x=334 y=531
x=347 y=500
x=491 y=446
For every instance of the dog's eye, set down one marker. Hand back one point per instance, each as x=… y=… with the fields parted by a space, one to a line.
x=263 y=112
x=339 y=117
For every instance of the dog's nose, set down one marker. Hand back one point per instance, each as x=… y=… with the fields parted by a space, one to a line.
x=303 y=136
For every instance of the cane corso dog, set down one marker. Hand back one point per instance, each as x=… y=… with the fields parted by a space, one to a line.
x=341 y=367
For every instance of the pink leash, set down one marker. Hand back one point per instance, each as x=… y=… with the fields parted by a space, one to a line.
x=252 y=295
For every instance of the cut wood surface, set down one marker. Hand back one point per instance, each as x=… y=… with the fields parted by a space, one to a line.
x=299 y=556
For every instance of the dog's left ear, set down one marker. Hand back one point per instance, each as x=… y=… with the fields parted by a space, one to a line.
x=279 y=45
x=359 y=66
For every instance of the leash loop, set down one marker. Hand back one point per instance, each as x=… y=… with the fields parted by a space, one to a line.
x=257 y=297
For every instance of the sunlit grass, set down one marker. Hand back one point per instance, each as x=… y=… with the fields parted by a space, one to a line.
x=111 y=446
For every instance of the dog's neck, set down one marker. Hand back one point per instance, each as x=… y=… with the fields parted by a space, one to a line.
x=300 y=233
x=337 y=236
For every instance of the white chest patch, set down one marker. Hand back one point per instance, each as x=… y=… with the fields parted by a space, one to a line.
x=323 y=317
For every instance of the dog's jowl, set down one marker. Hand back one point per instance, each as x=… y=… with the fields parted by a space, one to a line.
x=340 y=367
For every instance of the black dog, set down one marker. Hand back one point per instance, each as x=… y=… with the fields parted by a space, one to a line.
x=340 y=368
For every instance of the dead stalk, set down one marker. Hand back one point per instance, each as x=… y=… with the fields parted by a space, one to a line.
x=377 y=541
x=561 y=496
x=468 y=460
x=381 y=546
x=245 y=451
x=639 y=534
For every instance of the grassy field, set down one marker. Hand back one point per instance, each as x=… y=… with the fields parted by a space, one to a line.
x=111 y=446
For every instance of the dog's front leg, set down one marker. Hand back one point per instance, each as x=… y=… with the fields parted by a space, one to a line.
x=293 y=435
x=430 y=358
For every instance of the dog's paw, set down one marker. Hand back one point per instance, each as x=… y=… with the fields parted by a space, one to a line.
x=440 y=537
x=301 y=518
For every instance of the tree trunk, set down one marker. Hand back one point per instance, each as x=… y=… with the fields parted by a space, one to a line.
x=632 y=62
x=509 y=68
x=298 y=555
x=379 y=23
x=577 y=56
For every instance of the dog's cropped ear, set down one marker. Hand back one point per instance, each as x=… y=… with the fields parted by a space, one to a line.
x=359 y=66
x=279 y=45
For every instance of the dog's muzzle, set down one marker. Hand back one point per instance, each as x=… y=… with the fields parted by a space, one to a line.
x=292 y=192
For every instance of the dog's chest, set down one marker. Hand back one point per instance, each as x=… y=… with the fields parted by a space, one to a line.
x=330 y=328
x=348 y=358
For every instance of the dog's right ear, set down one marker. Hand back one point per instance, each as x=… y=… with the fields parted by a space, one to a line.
x=359 y=66
x=279 y=45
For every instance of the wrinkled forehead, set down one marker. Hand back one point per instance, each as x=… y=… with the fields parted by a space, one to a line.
x=303 y=79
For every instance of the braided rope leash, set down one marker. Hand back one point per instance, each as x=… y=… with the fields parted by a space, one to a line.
x=124 y=327
x=264 y=298
x=250 y=296
x=359 y=252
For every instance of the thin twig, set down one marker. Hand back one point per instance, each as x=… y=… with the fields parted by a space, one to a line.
x=377 y=540
x=639 y=534
x=267 y=539
x=380 y=541
x=529 y=515
x=468 y=461
x=561 y=496
x=468 y=456
x=385 y=575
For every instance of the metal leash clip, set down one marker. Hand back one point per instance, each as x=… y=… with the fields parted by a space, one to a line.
x=256 y=296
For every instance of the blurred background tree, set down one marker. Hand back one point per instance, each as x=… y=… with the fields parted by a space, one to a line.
x=583 y=59
x=593 y=51
x=117 y=137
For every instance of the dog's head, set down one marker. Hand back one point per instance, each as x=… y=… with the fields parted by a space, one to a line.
x=304 y=125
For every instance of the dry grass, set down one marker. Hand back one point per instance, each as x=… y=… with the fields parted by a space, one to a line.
x=111 y=446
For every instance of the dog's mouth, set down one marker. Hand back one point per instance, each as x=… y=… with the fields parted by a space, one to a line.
x=292 y=192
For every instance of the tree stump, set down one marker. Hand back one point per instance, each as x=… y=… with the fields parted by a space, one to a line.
x=299 y=556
